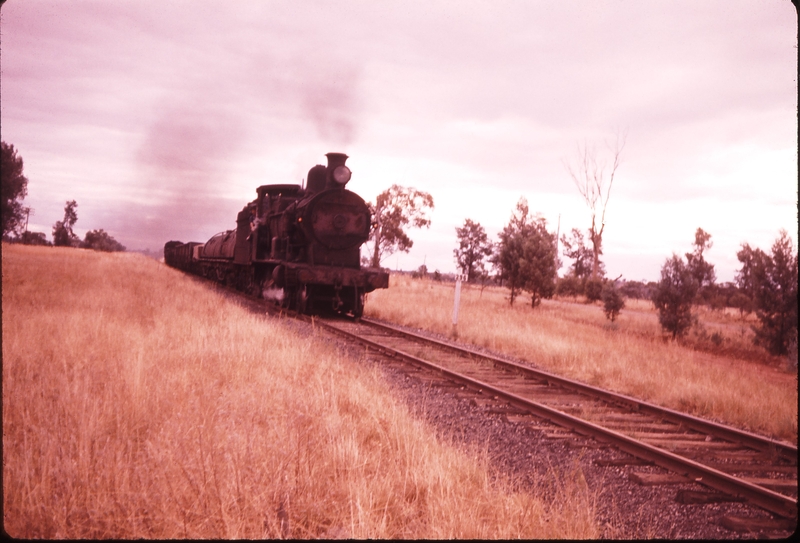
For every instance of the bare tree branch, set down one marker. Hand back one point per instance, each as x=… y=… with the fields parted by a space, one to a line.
x=589 y=176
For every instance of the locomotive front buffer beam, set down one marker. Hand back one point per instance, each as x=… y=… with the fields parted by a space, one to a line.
x=365 y=280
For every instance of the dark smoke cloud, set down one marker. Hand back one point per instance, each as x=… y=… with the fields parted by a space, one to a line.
x=189 y=151
x=184 y=163
x=331 y=101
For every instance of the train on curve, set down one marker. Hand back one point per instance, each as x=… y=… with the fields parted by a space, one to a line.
x=298 y=246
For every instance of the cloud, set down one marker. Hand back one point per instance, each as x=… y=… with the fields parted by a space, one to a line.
x=330 y=100
x=162 y=118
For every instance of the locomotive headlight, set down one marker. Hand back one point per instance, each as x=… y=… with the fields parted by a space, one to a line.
x=341 y=174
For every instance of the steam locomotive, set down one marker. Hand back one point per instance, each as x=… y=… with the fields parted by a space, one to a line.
x=300 y=247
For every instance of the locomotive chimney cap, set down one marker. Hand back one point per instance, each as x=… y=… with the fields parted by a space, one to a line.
x=336 y=157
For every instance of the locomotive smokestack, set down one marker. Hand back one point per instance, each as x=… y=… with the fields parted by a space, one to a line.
x=336 y=159
x=338 y=173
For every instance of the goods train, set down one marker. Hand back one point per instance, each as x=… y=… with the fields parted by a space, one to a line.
x=298 y=246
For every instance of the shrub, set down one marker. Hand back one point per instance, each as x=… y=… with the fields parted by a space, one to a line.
x=99 y=240
x=569 y=286
x=674 y=296
x=33 y=238
x=613 y=302
x=593 y=290
x=777 y=298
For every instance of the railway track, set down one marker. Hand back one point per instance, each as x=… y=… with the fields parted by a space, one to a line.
x=736 y=465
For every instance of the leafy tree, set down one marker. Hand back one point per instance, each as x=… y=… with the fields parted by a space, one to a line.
x=421 y=273
x=509 y=250
x=525 y=255
x=34 y=238
x=394 y=210
x=702 y=271
x=593 y=289
x=637 y=289
x=674 y=295
x=771 y=282
x=582 y=255
x=590 y=176
x=539 y=261
x=99 y=240
x=568 y=285
x=474 y=248
x=750 y=277
x=577 y=248
x=63 y=236
x=13 y=189
x=613 y=302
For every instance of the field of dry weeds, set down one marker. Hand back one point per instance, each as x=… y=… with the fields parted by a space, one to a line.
x=139 y=403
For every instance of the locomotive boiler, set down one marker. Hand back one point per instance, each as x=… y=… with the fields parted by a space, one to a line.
x=299 y=246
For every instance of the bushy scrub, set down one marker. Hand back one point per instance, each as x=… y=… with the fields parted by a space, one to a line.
x=613 y=302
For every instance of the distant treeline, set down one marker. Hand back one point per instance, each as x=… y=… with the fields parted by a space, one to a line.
x=15 y=215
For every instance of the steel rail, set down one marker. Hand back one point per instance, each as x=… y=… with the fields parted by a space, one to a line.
x=767 y=499
x=748 y=439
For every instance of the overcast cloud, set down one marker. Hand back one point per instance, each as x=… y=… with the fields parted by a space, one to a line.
x=161 y=118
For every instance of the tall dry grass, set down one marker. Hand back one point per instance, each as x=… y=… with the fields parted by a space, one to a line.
x=631 y=356
x=138 y=403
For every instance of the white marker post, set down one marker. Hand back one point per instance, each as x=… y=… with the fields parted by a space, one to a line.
x=456 y=303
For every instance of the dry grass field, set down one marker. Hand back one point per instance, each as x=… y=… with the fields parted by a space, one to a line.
x=140 y=403
x=727 y=380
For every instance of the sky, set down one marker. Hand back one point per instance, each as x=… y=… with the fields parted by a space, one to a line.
x=161 y=118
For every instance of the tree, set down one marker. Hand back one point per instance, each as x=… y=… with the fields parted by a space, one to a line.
x=34 y=238
x=637 y=289
x=395 y=209
x=474 y=248
x=702 y=271
x=613 y=302
x=751 y=275
x=771 y=282
x=13 y=189
x=525 y=255
x=99 y=240
x=582 y=255
x=569 y=285
x=509 y=250
x=63 y=236
x=590 y=177
x=743 y=303
x=593 y=290
x=674 y=295
x=539 y=261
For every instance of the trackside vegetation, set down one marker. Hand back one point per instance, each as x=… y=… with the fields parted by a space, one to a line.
x=715 y=372
x=141 y=403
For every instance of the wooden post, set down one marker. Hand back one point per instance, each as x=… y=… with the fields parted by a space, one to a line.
x=456 y=303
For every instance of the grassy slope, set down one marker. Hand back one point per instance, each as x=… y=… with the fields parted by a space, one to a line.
x=631 y=357
x=140 y=404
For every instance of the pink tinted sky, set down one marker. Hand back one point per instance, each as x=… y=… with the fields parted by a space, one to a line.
x=161 y=118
